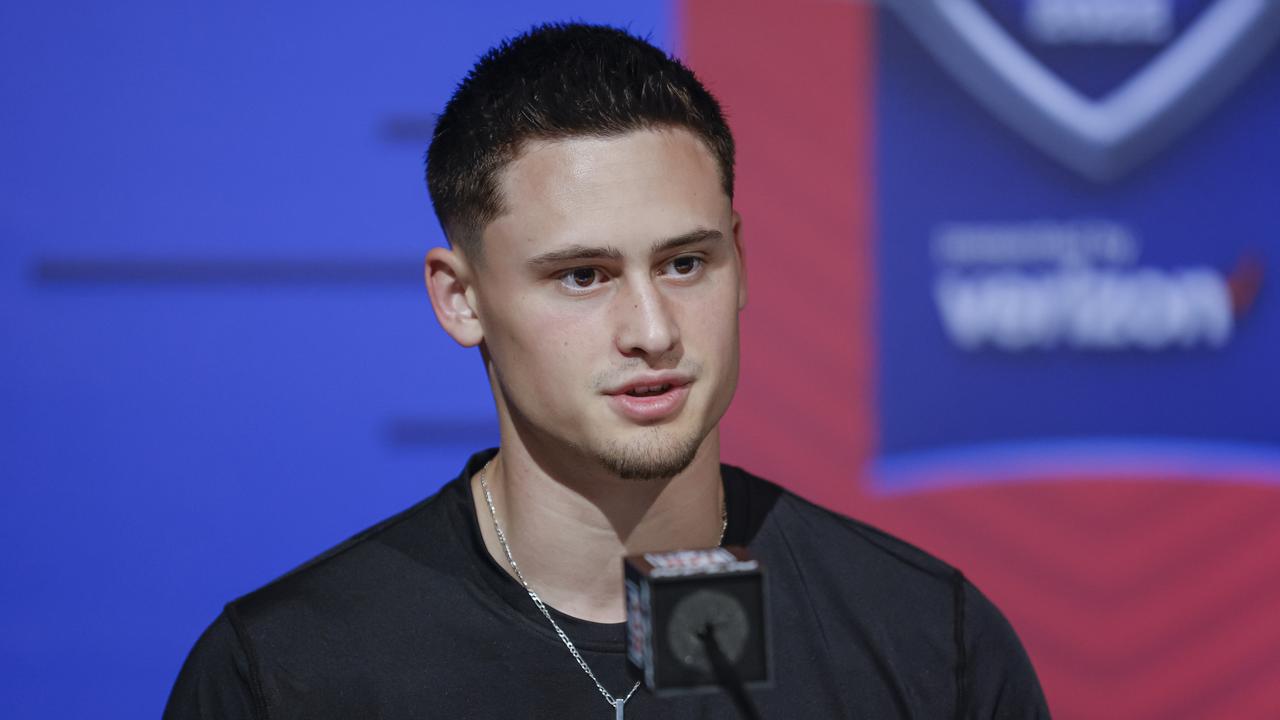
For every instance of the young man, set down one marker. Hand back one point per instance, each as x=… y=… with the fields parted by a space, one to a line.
x=585 y=182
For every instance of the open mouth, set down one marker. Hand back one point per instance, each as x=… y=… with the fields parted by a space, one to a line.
x=653 y=402
x=649 y=390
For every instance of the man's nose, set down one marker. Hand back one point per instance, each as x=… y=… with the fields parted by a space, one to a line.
x=646 y=323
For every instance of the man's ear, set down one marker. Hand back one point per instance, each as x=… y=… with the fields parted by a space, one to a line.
x=449 y=280
x=742 y=260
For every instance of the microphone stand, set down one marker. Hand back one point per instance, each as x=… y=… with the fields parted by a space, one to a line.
x=727 y=676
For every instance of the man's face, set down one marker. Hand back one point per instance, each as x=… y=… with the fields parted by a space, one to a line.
x=609 y=295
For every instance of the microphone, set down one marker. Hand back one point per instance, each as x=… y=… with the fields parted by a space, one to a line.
x=697 y=622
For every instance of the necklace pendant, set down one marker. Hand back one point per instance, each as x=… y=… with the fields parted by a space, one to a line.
x=617 y=708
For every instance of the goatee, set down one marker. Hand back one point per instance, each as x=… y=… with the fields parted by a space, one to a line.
x=658 y=459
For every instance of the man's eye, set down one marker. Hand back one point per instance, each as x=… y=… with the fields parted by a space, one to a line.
x=581 y=278
x=685 y=265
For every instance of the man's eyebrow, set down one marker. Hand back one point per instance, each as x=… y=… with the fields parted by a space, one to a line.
x=586 y=252
x=689 y=238
x=575 y=252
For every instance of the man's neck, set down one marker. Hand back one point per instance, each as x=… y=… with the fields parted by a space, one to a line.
x=569 y=535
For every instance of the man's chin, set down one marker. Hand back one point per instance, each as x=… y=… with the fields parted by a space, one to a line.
x=654 y=458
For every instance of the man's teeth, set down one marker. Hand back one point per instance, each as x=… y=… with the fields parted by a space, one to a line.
x=649 y=390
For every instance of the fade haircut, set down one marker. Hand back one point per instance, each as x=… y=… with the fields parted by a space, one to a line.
x=554 y=82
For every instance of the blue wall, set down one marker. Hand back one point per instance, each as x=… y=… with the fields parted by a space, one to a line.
x=218 y=357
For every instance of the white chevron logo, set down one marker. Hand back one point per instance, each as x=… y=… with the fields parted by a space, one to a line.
x=1105 y=138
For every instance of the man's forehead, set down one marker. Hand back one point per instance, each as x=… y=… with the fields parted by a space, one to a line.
x=636 y=188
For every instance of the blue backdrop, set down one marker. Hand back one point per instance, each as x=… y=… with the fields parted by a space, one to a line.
x=218 y=357
x=1100 y=357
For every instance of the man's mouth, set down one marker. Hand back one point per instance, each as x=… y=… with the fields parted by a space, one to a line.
x=649 y=390
x=649 y=384
x=651 y=399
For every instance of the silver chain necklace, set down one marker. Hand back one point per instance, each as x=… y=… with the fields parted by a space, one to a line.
x=616 y=702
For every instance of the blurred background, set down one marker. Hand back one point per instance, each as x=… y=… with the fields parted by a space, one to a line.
x=1010 y=266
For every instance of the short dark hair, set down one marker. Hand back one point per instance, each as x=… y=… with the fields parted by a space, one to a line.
x=557 y=81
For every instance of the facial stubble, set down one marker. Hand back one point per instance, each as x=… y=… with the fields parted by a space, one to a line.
x=655 y=458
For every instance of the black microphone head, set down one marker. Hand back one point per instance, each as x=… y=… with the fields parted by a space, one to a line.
x=675 y=599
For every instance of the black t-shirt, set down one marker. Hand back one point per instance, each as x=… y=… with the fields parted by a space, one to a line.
x=414 y=619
